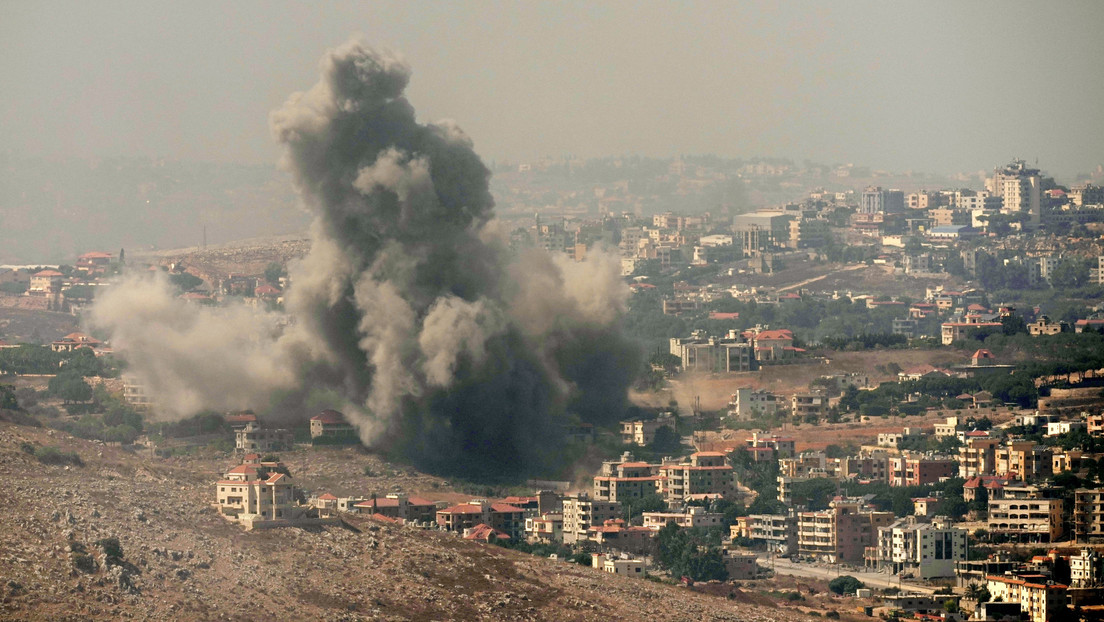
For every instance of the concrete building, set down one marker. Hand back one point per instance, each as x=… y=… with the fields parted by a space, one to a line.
x=876 y=200
x=546 y=528
x=330 y=424
x=757 y=231
x=978 y=457
x=1020 y=189
x=920 y=470
x=255 y=438
x=642 y=432
x=1026 y=514
x=741 y=565
x=777 y=531
x=1040 y=600
x=1024 y=460
x=1088 y=515
x=707 y=473
x=626 y=478
x=580 y=513
x=499 y=516
x=692 y=516
x=700 y=352
x=400 y=506
x=840 y=533
x=748 y=403
x=926 y=550
x=809 y=404
x=259 y=495
x=617 y=565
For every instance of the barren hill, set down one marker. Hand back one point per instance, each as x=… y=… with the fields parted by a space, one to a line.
x=181 y=560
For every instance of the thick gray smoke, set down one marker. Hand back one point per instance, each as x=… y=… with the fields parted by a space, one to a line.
x=409 y=310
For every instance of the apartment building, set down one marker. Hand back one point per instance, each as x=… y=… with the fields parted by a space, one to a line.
x=693 y=516
x=707 y=473
x=978 y=457
x=1023 y=460
x=873 y=466
x=626 y=479
x=1026 y=514
x=927 y=550
x=580 y=513
x=918 y=470
x=840 y=533
x=1088 y=515
x=642 y=432
x=1041 y=601
x=747 y=403
x=777 y=531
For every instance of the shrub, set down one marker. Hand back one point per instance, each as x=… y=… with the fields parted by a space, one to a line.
x=845 y=585
x=53 y=455
x=112 y=549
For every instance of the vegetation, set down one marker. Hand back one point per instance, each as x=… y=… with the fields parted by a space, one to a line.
x=48 y=454
x=845 y=585
x=687 y=553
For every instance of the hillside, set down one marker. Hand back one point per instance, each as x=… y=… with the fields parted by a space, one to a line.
x=182 y=561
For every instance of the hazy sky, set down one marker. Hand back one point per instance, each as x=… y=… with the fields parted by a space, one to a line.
x=926 y=86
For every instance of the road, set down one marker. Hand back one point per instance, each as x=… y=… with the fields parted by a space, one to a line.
x=829 y=572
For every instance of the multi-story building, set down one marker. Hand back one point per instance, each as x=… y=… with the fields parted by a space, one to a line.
x=1086 y=194
x=1086 y=568
x=876 y=200
x=498 y=516
x=618 y=565
x=783 y=445
x=919 y=470
x=1020 y=189
x=840 y=533
x=401 y=506
x=259 y=493
x=1023 y=460
x=1040 y=600
x=330 y=424
x=778 y=531
x=546 y=528
x=707 y=473
x=1088 y=515
x=748 y=403
x=642 y=432
x=580 y=513
x=253 y=437
x=873 y=466
x=626 y=479
x=1026 y=513
x=693 y=516
x=701 y=352
x=809 y=404
x=978 y=457
x=927 y=549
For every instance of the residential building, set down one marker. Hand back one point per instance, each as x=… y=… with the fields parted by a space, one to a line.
x=741 y=565
x=809 y=404
x=259 y=495
x=253 y=437
x=1086 y=569
x=330 y=424
x=1020 y=189
x=1026 y=513
x=580 y=513
x=624 y=479
x=1088 y=515
x=840 y=533
x=873 y=466
x=45 y=283
x=615 y=534
x=783 y=445
x=401 y=506
x=73 y=341
x=498 y=516
x=778 y=531
x=701 y=352
x=978 y=457
x=1041 y=601
x=692 y=516
x=546 y=528
x=748 y=403
x=707 y=473
x=617 y=565
x=919 y=470
x=927 y=550
x=1024 y=460
x=876 y=200
x=642 y=432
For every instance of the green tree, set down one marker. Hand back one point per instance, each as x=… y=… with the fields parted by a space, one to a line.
x=185 y=282
x=666 y=442
x=273 y=272
x=70 y=387
x=845 y=585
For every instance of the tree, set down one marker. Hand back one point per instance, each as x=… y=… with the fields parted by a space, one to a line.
x=7 y=398
x=845 y=585
x=273 y=272
x=70 y=387
x=185 y=282
x=666 y=442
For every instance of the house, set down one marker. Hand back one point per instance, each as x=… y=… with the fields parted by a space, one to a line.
x=642 y=432
x=784 y=445
x=747 y=403
x=499 y=516
x=545 y=528
x=693 y=516
x=400 y=506
x=485 y=533
x=1081 y=326
x=45 y=283
x=260 y=495
x=1026 y=514
x=253 y=437
x=93 y=263
x=927 y=550
x=72 y=341
x=330 y=424
x=616 y=565
x=614 y=533
x=741 y=565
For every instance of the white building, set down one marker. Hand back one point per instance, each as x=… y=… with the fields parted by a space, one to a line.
x=615 y=565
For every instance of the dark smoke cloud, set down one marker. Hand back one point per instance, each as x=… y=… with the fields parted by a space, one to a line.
x=439 y=344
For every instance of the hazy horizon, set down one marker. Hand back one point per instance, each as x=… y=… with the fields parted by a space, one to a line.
x=934 y=87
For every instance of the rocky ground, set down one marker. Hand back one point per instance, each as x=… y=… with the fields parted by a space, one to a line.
x=181 y=560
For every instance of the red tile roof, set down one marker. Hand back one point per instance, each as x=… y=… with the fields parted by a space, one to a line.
x=327 y=497
x=329 y=417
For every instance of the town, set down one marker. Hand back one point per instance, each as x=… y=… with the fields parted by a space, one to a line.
x=894 y=392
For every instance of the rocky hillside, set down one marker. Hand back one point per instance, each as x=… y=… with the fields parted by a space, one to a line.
x=176 y=558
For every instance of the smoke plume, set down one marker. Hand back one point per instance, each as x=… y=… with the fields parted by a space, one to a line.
x=409 y=312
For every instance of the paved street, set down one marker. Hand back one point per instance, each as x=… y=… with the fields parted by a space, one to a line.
x=829 y=572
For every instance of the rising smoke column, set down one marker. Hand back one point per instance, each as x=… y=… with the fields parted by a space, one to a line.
x=409 y=311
